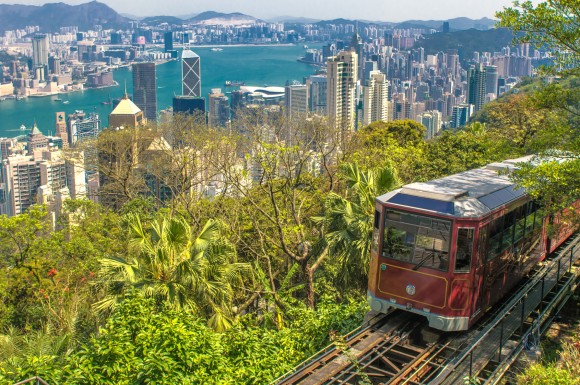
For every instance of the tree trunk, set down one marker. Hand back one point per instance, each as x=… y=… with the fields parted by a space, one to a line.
x=308 y=275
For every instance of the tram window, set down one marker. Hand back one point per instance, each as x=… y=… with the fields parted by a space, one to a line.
x=538 y=220
x=482 y=241
x=521 y=222
x=464 y=250
x=495 y=233
x=398 y=243
x=416 y=239
x=375 y=243
x=530 y=212
x=508 y=230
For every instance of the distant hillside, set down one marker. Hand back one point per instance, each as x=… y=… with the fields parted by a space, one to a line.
x=467 y=42
x=50 y=17
x=156 y=20
x=457 y=24
x=293 y=20
x=212 y=18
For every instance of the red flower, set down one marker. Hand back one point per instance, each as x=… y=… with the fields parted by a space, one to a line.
x=52 y=272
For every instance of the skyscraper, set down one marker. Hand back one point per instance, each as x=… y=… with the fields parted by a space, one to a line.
x=476 y=80
x=40 y=50
x=317 y=93
x=126 y=114
x=296 y=100
x=357 y=46
x=190 y=74
x=219 y=108
x=491 y=80
x=60 y=129
x=168 y=40
x=342 y=77
x=21 y=178
x=375 y=98
x=36 y=140
x=460 y=115
x=188 y=105
x=432 y=122
x=145 y=89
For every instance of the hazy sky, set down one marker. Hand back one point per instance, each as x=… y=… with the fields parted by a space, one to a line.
x=383 y=10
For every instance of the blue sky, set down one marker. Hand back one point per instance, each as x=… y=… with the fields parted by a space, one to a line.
x=383 y=10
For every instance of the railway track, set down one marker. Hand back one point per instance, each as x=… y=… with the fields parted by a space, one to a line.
x=392 y=350
x=398 y=348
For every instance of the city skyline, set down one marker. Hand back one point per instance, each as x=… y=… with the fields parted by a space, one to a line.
x=370 y=10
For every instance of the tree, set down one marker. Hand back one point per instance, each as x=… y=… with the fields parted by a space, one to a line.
x=288 y=164
x=399 y=142
x=176 y=268
x=554 y=24
x=348 y=220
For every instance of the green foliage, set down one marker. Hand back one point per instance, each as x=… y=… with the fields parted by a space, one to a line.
x=348 y=219
x=177 y=269
x=552 y=24
x=381 y=143
x=472 y=147
x=550 y=374
x=140 y=345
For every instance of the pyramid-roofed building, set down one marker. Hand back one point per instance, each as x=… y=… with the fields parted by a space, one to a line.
x=126 y=114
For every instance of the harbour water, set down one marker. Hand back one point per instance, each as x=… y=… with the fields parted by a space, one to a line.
x=254 y=65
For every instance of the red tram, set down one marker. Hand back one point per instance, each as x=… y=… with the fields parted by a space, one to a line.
x=450 y=248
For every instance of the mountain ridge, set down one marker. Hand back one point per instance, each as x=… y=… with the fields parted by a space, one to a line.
x=51 y=16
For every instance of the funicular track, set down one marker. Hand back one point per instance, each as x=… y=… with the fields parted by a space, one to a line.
x=391 y=349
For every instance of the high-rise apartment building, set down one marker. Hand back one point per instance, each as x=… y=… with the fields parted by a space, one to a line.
x=145 y=89
x=375 y=98
x=52 y=171
x=21 y=178
x=476 y=81
x=317 y=93
x=342 y=77
x=190 y=74
x=296 y=100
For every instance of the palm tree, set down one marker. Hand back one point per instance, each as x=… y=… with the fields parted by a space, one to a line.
x=348 y=219
x=177 y=269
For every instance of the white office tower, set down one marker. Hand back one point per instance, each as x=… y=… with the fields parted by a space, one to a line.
x=190 y=74
x=341 y=89
x=375 y=98
x=296 y=100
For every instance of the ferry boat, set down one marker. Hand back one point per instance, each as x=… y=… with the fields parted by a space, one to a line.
x=216 y=49
x=235 y=83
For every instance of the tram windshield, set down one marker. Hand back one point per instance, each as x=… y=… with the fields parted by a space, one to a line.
x=416 y=239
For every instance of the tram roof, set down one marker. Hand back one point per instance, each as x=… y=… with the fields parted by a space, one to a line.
x=468 y=194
